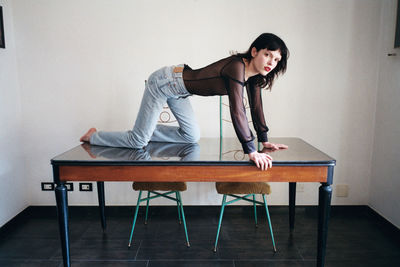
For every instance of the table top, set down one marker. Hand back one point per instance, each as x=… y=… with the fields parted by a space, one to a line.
x=208 y=151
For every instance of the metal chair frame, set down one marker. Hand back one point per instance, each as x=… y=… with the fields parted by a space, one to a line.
x=237 y=198
x=178 y=200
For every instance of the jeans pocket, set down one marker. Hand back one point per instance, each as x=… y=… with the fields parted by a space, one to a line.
x=162 y=84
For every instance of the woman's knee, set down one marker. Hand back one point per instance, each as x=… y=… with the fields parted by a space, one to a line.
x=194 y=135
x=136 y=141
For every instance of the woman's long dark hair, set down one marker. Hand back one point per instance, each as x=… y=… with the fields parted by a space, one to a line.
x=271 y=42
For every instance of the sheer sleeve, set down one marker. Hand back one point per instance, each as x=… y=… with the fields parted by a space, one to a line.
x=233 y=74
x=257 y=113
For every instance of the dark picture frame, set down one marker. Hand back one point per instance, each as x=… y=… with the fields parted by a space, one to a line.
x=397 y=34
x=2 y=41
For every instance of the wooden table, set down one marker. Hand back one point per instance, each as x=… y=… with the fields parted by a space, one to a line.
x=211 y=160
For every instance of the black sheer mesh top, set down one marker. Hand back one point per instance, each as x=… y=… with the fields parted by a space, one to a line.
x=226 y=77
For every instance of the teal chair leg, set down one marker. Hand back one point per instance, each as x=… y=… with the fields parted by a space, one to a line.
x=220 y=221
x=183 y=217
x=134 y=219
x=269 y=222
x=255 y=209
x=147 y=206
x=179 y=207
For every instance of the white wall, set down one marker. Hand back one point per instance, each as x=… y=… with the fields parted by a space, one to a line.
x=13 y=182
x=385 y=182
x=83 y=63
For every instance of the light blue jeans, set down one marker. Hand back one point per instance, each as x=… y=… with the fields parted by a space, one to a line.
x=163 y=86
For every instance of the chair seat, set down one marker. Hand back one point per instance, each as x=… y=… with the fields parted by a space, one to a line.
x=243 y=188
x=159 y=186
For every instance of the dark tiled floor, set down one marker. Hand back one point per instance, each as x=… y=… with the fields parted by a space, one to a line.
x=357 y=237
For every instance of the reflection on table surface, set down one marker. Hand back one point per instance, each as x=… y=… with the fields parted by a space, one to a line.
x=153 y=151
x=207 y=150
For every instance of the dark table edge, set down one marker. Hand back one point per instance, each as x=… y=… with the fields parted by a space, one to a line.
x=187 y=163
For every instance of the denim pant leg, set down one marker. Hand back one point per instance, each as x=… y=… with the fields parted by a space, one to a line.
x=164 y=85
x=188 y=130
x=146 y=122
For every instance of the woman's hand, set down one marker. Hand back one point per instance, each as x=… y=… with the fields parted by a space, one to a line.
x=274 y=147
x=262 y=160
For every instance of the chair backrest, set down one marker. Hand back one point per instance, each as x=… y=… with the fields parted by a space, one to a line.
x=226 y=128
x=225 y=120
x=166 y=116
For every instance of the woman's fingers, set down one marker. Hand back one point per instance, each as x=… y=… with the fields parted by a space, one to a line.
x=266 y=161
x=263 y=161
x=274 y=146
x=282 y=146
x=269 y=161
x=257 y=163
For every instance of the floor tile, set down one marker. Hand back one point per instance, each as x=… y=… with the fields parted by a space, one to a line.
x=109 y=263
x=191 y=263
x=29 y=263
x=391 y=262
x=96 y=249
x=35 y=249
x=169 y=250
x=272 y=263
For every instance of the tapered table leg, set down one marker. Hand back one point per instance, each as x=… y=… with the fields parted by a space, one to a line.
x=100 y=193
x=324 y=207
x=62 y=211
x=292 y=204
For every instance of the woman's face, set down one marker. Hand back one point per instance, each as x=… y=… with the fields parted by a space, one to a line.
x=264 y=60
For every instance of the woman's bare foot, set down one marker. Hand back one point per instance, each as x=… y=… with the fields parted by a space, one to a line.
x=86 y=137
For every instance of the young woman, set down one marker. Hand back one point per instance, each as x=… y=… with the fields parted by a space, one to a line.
x=255 y=69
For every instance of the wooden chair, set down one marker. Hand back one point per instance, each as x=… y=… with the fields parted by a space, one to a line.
x=233 y=189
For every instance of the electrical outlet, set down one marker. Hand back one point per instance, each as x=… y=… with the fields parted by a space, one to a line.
x=47 y=186
x=342 y=190
x=85 y=187
x=299 y=187
x=69 y=186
